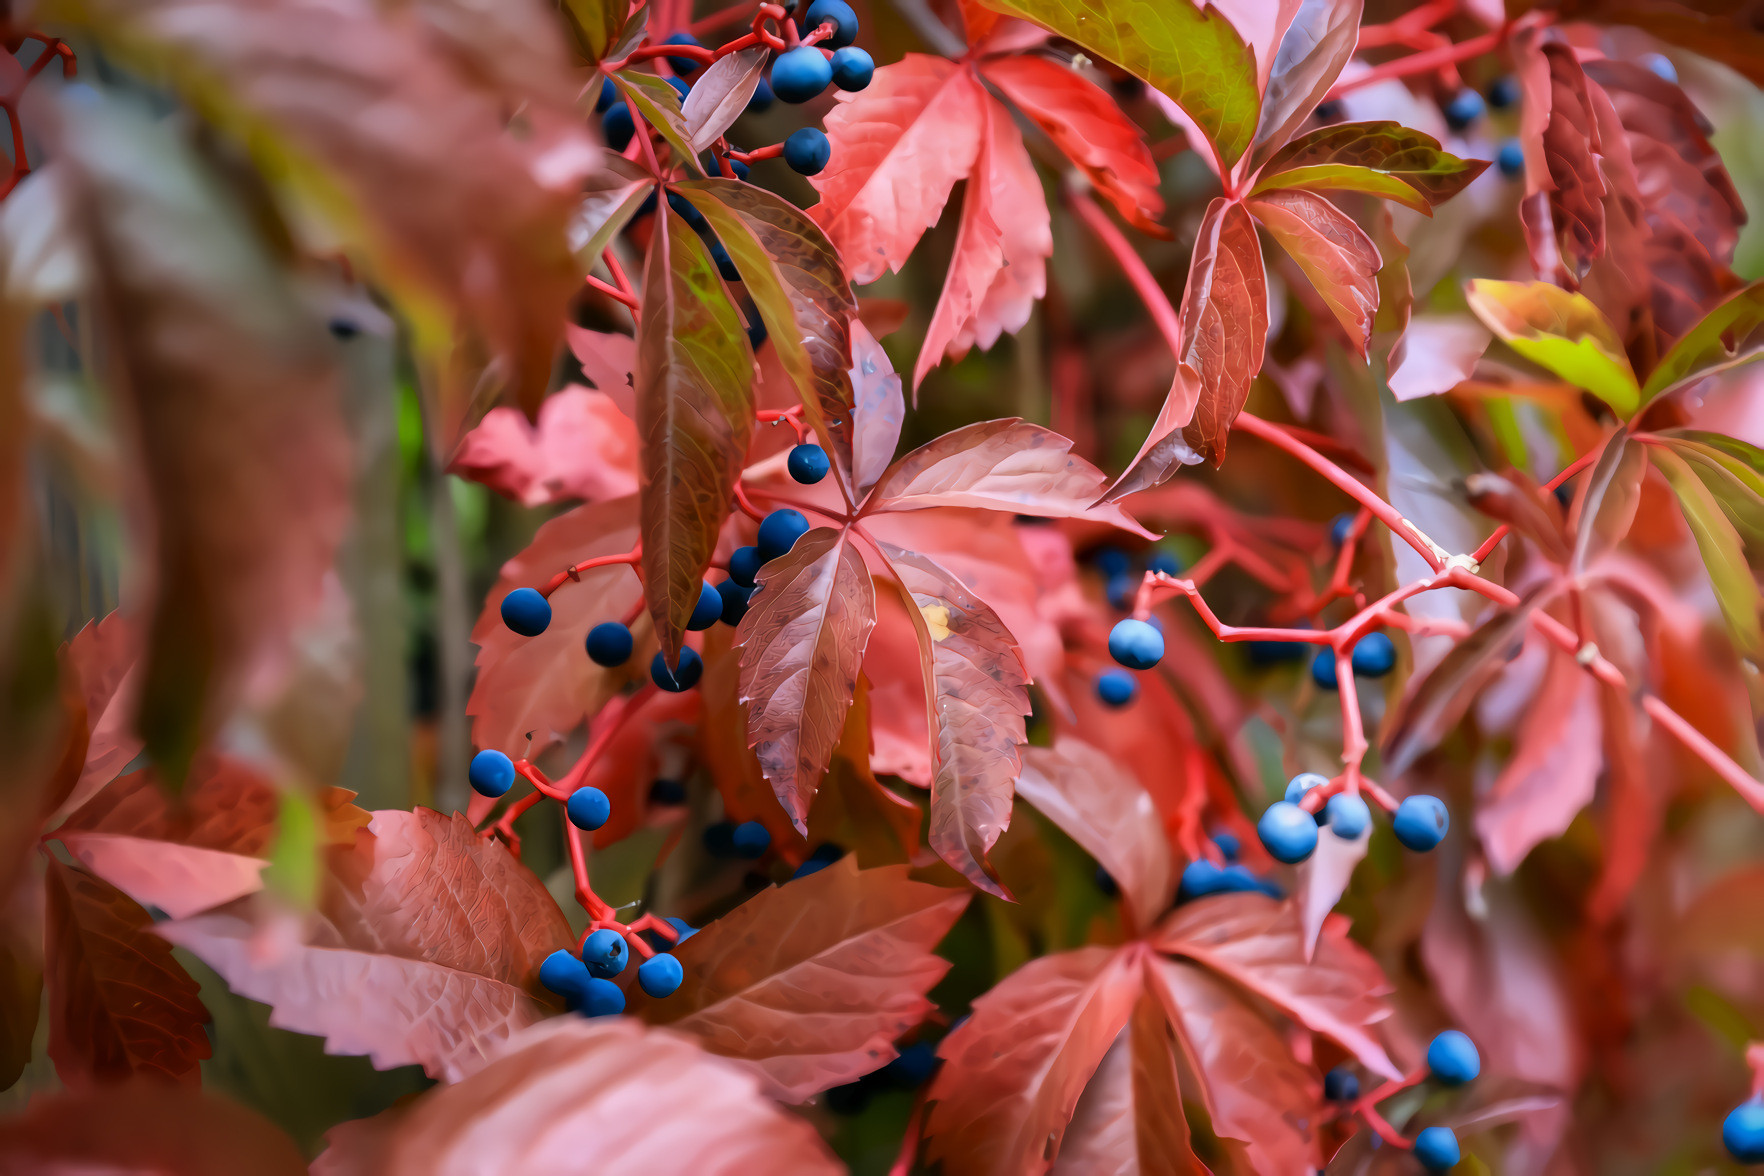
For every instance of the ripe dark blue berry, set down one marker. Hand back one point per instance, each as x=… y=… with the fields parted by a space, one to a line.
x=1116 y=687
x=807 y=151
x=761 y=99
x=1374 y=655
x=1112 y=561
x=682 y=65
x=779 y=531
x=716 y=169
x=680 y=679
x=1301 y=784
x=616 y=124
x=1452 y=1059
x=1165 y=562
x=1511 y=159
x=1420 y=822
x=1199 y=879
x=750 y=839
x=608 y=95
x=667 y=792
x=744 y=565
x=1121 y=590
x=605 y=953
x=609 y=644
x=1743 y=1132
x=724 y=263
x=1339 y=527
x=1437 y=1149
x=1288 y=832
x=683 y=207
x=564 y=974
x=756 y=333
x=526 y=611
x=912 y=1067
x=807 y=463
x=1324 y=671
x=1136 y=644
x=1347 y=816
x=1465 y=107
x=680 y=88
x=800 y=74
x=686 y=930
x=491 y=773
x=708 y=610
x=1504 y=92
x=736 y=600
x=1229 y=845
x=660 y=975
x=588 y=808
x=839 y=13
x=823 y=855
x=1106 y=883
x=601 y=998
x=852 y=68
x=1340 y=1085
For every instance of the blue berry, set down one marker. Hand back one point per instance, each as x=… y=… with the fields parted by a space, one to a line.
x=588 y=808
x=660 y=975
x=1437 y=1149
x=708 y=609
x=1272 y=653
x=1511 y=159
x=686 y=930
x=609 y=644
x=1116 y=687
x=724 y=263
x=807 y=463
x=739 y=169
x=1301 y=784
x=1238 y=880
x=735 y=600
x=1420 y=822
x=779 y=531
x=807 y=151
x=1340 y=1085
x=1743 y=1132
x=563 y=974
x=1332 y=111
x=1165 y=562
x=1339 y=527
x=616 y=124
x=682 y=65
x=844 y=20
x=824 y=855
x=667 y=792
x=1288 y=832
x=719 y=839
x=1229 y=845
x=913 y=1066
x=800 y=74
x=1324 y=671
x=608 y=95
x=1660 y=65
x=684 y=209
x=750 y=839
x=1199 y=879
x=1453 y=1059
x=1112 y=561
x=1135 y=644
x=852 y=68
x=680 y=679
x=605 y=953
x=1464 y=108
x=1347 y=816
x=601 y=998
x=756 y=332
x=761 y=99
x=491 y=773
x=1106 y=883
x=1504 y=92
x=1374 y=655
x=526 y=611
x=1121 y=590
x=744 y=565
x=680 y=88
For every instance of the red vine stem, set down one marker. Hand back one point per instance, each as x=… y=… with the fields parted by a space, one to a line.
x=1445 y=55
x=1132 y=266
x=574 y=572
x=612 y=291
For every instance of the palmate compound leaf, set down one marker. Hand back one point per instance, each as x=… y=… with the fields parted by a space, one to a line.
x=608 y=1095
x=802 y=642
x=1333 y=252
x=976 y=694
x=1378 y=158
x=428 y=946
x=694 y=384
x=1561 y=331
x=232 y=387
x=119 y=1004
x=810 y=983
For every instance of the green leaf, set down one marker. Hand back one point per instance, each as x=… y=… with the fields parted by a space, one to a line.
x=694 y=386
x=594 y=24
x=1729 y=335
x=1736 y=589
x=1381 y=158
x=653 y=100
x=793 y=274
x=1560 y=331
x=1737 y=485
x=1191 y=53
x=610 y=198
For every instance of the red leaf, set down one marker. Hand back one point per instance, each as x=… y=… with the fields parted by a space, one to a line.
x=103 y=658
x=607 y=1095
x=999 y=267
x=608 y=362
x=892 y=168
x=878 y=412
x=1247 y=938
x=119 y=1005
x=1564 y=209
x=975 y=690
x=531 y=692
x=810 y=983
x=1313 y=50
x=1013 y=1072
x=802 y=642
x=583 y=447
x=143 y=1129
x=1084 y=122
x=1106 y=812
x=1435 y=354
x=1332 y=250
x=1323 y=879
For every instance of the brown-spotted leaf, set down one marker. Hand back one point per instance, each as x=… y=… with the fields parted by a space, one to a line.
x=1013 y=1072
x=119 y=1004
x=1333 y=252
x=878 y=410
x=1564 y=210
x=1104 y=809
x=1224 y=325
x=232 y=387
x=1315 y=46
x=720 y=95
x=1379 y=158
x=976 y=693
x=802 y=642
x=793 y=274
x=809 y=984
x=694 y=385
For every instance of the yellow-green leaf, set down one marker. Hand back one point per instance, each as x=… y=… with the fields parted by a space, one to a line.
x=1729 y=335
x=1736 y=590
x=653 y=100
x=1560 y=331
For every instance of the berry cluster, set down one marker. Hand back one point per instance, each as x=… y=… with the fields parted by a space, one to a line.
x=584 y=978
x=1288 y=829
x=1203 y=877
x=1452 y=1061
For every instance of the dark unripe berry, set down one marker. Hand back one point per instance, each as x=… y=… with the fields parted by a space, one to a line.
x=779 y=531
x=1301 y=784
x=588 y=808
x=709 y=608
x=762 y=98
x=1347 y=816
x=1340 y=1085
x=1288 y=832
x=1165 y=562
x=750 y=839
x=616 y=124
x=1199 y=879
x=608 y=95
x=1112 y=561
x=1743 y=1132
x=800 y=74
x=744 y=565
x=1464 y=108
x=736 y=600
x=807 y=463
x=1511 y=159
x=1437 y=1149
x=1374 y=655
x=852 y=68
x=682 y=65
x=839 y=13
x=660 y=975
x=605 y=953
x=667 y=792
x=1116 y=687
x=1452 y=1059
x=1504 y=92
x=1324 y=671
x=679 y=679
x=1420 y=822
x=491 y=773
x=807 y=151
x=1229 y=846
x=609 y=644
x=1136 y=644
x=564 y=974
x=526 y=611
x=601 y=998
